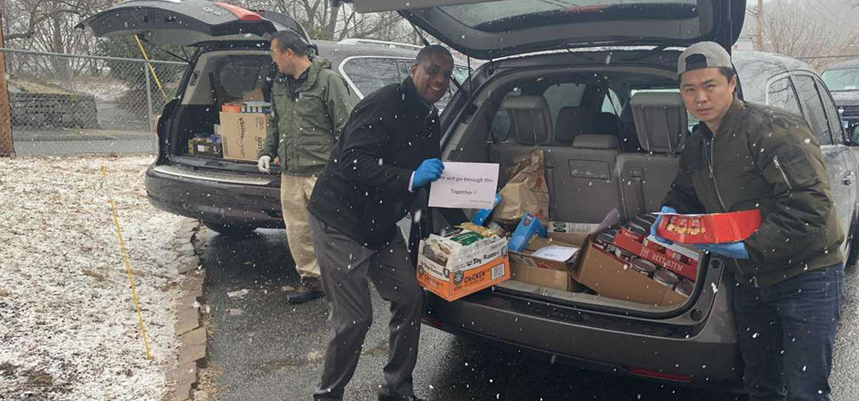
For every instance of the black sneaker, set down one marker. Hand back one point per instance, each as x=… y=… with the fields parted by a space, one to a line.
x=386 y=397
x=302 y=295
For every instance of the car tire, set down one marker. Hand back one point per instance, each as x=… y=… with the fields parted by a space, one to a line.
x=229 y=230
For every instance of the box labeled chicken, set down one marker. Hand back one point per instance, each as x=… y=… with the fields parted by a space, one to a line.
x=715 y=228
x=462 y=262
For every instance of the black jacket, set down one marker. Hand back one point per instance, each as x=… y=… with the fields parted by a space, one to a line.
x=364 y=191
x=763 y=158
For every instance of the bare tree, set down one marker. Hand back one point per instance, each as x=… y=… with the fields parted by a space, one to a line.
x=794 y=28
x=330 y=20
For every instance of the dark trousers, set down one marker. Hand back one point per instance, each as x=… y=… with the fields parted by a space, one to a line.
x=786 y=333
x=345 y=266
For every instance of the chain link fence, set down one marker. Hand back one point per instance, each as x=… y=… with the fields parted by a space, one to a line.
x=70 y=104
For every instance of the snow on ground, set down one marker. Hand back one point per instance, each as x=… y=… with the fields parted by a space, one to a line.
x=68 y=326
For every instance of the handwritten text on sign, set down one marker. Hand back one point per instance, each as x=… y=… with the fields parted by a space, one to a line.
x=465 y=185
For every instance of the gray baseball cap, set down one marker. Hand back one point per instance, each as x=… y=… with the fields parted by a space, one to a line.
x=703 y=55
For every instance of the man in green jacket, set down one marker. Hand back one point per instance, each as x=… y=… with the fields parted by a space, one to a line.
x=790 y=272
x=309 y=108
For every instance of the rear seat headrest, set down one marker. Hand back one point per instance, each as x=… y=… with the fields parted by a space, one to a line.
x=660 y=121
x=596 y=141
x=572 y=121
x=531 y=120
x=606 y=123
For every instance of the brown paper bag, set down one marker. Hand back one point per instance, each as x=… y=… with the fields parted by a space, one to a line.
x=526 y=191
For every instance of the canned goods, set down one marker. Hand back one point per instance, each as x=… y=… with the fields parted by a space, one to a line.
x=605 y=241
x=684 y=287
x=644 y=267
x=666 y=278
x=635 y=231
x=623 y=255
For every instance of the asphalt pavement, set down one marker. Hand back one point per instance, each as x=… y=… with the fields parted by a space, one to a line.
x=269 y=350
x=57 y=142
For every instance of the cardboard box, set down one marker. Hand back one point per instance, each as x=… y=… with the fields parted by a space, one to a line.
x=612 y=278
x=452 y=269
x=526 y=256
x=716 y=228
x=547 y=278
x=243 y=135
x=628 y=244
x=572 y=233
x=204 y=147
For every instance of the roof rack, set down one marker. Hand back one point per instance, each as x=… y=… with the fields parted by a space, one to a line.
x=380 y=43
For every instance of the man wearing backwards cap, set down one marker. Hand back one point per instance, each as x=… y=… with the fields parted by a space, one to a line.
x=790 y=272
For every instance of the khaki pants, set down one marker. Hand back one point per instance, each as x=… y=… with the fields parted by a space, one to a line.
x=294 y=195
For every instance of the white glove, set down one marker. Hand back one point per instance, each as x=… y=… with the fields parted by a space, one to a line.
x=264 y=164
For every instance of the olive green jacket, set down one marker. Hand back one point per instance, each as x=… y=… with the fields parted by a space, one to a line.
x=763 y=158
x=303 y=128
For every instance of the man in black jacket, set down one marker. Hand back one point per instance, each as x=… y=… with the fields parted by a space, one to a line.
x=389 y=148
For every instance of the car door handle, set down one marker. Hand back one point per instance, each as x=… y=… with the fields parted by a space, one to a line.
x=849 y=178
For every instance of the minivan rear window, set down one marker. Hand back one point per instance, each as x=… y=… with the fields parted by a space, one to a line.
x=497 y=16
x=240 y=75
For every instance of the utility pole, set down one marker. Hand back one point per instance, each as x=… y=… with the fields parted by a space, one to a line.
x=760 y=24
x=7 y=146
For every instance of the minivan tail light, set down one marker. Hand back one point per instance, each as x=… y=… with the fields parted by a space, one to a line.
x=240 y=13
x=660 y=375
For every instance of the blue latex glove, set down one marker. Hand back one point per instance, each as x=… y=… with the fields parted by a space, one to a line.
x=734 y=250
x=429 y=171
x=665 y=209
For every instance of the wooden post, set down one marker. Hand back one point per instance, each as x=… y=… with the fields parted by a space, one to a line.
x=760 y=26
x=7 y=145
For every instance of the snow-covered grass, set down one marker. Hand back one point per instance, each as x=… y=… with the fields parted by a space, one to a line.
x=68 y=326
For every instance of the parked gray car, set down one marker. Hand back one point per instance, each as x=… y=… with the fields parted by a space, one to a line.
x=842 y=79
x=565 y=78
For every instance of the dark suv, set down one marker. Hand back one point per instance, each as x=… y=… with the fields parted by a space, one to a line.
x=232 y=58
x=842 y=79
x=595 y=86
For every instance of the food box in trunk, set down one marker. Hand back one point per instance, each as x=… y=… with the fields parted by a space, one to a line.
x=674 y=257
x=461 y=263
x=546 y=263
x=547 y=254
x=716 y=228
x=205 y=146
x=611 y=277
x=243 y=135
x=572 y=233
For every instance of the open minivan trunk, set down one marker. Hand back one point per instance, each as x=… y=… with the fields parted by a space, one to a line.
x=577 y=108
x=223 y=77
x=611 y=135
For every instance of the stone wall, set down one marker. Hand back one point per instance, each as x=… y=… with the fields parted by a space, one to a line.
x=38 y=110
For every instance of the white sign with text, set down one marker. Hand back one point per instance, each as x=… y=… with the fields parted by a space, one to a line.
x=466 y=186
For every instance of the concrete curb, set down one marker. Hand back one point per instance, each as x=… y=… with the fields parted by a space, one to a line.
x=184 y=377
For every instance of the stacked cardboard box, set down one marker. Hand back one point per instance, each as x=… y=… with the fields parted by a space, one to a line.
x=461 y=262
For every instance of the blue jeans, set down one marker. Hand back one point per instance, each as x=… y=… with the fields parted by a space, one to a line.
x=786 y=333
